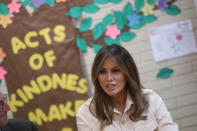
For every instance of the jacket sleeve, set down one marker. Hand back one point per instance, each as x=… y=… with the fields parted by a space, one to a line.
x=82 y=121
x=34 y=127
x=163 y=116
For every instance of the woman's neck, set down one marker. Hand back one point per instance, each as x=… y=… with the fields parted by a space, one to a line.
x=119 y=102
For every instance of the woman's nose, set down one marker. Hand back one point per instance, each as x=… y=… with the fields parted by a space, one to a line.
x=109 y=76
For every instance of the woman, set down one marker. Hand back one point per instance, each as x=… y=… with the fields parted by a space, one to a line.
x=120 y=103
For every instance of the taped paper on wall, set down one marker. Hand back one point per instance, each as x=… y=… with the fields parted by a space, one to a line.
x=172 y=40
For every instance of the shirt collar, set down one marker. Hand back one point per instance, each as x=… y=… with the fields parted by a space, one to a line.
x=129 y=101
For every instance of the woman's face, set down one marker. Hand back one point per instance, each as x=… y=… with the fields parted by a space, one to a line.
x=111 y=78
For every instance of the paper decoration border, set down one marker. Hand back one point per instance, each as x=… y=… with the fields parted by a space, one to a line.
x=129 y=18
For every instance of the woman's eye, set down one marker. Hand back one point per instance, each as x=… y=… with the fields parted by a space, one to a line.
x=116 y=70
x=102 y=72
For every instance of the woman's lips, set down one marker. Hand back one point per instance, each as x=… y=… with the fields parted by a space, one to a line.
x=110 y=86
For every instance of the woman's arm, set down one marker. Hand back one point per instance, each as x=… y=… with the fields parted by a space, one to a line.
x=82 y=124
x=85 y=120
x=163 y=116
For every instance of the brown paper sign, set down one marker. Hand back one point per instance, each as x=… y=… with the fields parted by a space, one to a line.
x=45 y=80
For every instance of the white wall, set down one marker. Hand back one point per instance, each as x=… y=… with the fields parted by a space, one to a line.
x=179 y=91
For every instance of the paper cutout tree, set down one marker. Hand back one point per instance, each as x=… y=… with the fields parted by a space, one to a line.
x=131 y=17
x=51 y=93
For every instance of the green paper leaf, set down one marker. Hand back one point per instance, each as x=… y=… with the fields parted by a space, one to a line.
x=164 y=73
x=50 y=2
x=127 y=10
x=85 y=24
x=108 y=20
x=26 y=2
x=115 y=1
x=96 y=47
x=138 y=5
x=172 y=10
x=151 y=2
x=110 y=41
x=98 y=30
x=75 y=12
x=119 y=20
x=81 y=44
x=126 y=36
x=101 y=1
x=3 y=9
x=91 y=8
x=149 y=18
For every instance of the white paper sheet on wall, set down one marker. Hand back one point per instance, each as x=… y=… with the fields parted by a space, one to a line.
x=172 y=40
